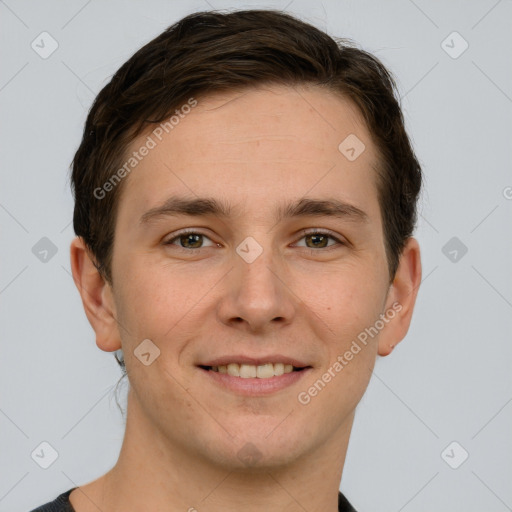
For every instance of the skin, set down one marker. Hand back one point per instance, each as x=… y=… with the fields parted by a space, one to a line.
x=255 y=149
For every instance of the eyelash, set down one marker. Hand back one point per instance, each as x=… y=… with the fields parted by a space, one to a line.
x=304 y=233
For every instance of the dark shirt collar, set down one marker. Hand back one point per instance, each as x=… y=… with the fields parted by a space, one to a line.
x=62 y=504
x=343 y=504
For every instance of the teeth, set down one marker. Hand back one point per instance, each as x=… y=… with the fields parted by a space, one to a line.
x=234 y=370
x=265 y=371
x=279 y=368
x=248 y=371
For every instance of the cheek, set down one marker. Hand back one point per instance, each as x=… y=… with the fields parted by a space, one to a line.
x=348 y=300
x=355 y=311
x=351 y=352
x=143 y=301
x=157 y=297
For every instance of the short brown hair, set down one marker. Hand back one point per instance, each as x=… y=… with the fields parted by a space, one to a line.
x=211 y=51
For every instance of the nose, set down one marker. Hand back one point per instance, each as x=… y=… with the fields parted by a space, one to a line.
x=257 y=296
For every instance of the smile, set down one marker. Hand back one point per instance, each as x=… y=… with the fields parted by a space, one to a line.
x=248 y=371
x=252 y=380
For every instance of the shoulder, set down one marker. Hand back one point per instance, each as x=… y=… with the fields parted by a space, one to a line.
x=59 y=504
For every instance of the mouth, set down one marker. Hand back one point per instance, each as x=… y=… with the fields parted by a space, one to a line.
x=251 y=371
x=253 y=380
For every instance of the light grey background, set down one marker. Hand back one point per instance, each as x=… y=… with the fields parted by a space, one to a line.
x=449 y=380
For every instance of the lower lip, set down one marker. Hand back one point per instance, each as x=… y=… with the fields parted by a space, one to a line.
x=255 y=386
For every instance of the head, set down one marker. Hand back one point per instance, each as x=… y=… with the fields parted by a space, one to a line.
x=259 y=126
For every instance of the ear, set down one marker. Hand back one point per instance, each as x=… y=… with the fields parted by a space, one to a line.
x=97 y=297
x=401 y=297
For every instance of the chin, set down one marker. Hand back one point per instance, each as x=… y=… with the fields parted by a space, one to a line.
x=261 y=447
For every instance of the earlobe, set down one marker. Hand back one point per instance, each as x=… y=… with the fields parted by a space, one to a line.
x=96 y=295
x=401 y=297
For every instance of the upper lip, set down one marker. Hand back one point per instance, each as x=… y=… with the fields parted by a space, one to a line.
x=241 y=359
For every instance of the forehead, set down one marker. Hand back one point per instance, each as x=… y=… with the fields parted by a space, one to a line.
x=244 y=120
x=256 y=144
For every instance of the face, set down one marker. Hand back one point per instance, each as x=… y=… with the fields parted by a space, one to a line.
x=271 y=274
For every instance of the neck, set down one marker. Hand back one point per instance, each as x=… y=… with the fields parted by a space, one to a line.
x=154 y=474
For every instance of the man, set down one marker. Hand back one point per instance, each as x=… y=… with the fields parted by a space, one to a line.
x=245 y=199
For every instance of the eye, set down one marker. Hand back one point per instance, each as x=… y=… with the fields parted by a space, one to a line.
x=317 y=239
x=189 y=240
x=314 y=239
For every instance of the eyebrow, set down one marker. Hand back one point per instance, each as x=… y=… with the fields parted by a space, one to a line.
x=304 y=207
